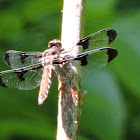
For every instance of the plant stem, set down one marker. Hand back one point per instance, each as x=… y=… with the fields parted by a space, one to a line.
x=70 y=98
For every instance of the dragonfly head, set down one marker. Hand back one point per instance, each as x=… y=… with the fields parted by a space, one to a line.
x=55 y=42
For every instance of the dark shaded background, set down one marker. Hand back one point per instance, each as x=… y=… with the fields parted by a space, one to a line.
x=111 y=110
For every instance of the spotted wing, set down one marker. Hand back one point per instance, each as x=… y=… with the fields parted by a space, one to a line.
x=97 y=58
x=97 y=40
x=25 y=78
x=18 y=59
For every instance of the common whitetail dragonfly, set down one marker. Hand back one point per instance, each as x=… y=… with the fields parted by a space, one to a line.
x=31 y=69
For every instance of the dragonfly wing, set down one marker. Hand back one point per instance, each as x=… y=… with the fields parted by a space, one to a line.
x=96 y=59
x=26 y=78
x=18 y=59
x=97 y=40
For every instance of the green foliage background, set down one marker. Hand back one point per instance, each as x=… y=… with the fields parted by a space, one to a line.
x=111 y=110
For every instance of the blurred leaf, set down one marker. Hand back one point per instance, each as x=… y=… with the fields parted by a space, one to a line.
x=104 y=110
x=128 y=64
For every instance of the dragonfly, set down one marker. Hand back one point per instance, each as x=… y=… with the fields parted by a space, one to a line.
x=32 y=69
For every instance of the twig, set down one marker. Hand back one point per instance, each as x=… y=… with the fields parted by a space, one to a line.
x=70 y=99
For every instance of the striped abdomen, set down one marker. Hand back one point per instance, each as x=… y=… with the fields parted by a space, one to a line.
x=45 y=83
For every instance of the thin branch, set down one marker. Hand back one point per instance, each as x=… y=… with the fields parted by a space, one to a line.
x=70 y=99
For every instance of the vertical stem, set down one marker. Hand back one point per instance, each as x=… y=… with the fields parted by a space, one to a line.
x=70 y=99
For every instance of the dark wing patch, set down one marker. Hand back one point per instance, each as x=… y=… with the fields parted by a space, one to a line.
x=112 y=34
x=83 y=60
x=22 y=57
x=84 y=42
x=20 y=75
x=23 y=79
x=17 y=59
x=112 y=53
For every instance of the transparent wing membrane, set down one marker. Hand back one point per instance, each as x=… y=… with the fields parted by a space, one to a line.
x=17 y=59
x=96 y=59
x=97 y=40
x=23 y=79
